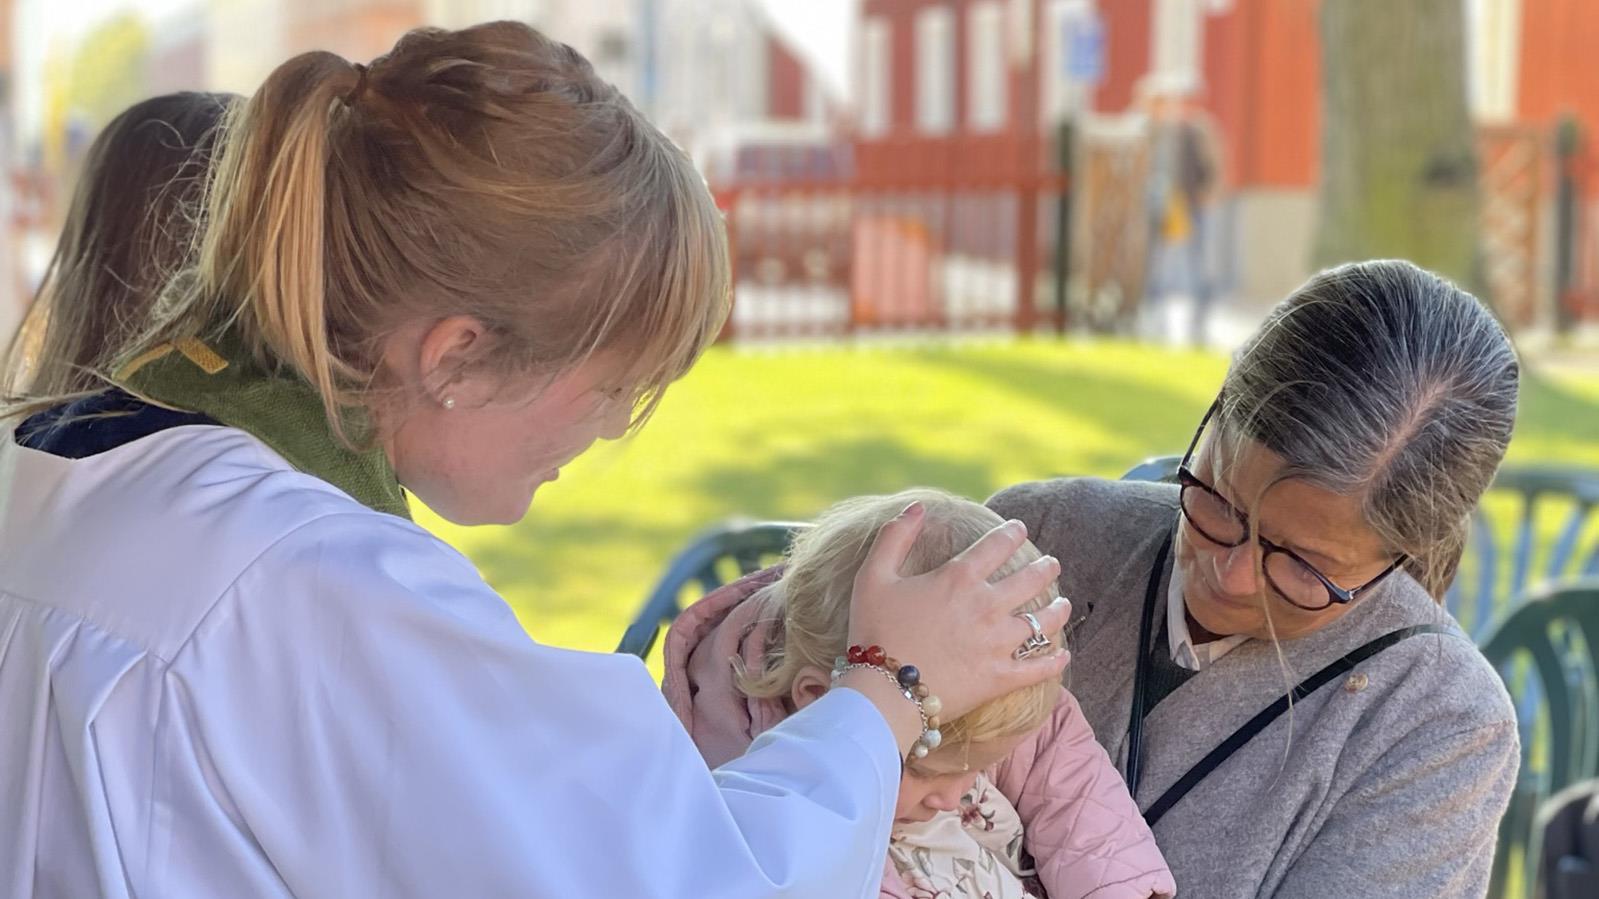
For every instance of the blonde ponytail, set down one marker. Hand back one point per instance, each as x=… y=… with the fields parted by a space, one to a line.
x=487 y=173
x=266 y=247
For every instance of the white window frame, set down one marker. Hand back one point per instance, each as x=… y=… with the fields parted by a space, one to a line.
x=877 y=76
x=1493 y=58
x=1177 y=38
x=935 y=69
x=987 y=97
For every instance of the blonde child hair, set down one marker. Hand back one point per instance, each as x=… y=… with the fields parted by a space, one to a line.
x=812 y=601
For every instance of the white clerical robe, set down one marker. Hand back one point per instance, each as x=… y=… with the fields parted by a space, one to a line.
x=223 y=677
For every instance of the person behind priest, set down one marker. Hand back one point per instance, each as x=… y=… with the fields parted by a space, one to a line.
x=128 y=228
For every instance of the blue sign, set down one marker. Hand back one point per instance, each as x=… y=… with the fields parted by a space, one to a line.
x=1083 y=45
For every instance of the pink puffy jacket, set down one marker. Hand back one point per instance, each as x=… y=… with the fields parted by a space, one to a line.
x=1082 y=828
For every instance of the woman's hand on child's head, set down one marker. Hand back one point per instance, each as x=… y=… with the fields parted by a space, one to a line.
x=961 y=631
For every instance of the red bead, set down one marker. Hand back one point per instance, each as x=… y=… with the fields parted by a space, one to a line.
x=856 y=655
x=875 y=655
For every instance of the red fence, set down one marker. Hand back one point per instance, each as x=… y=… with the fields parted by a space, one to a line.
x=934 y=247
x=827 y=259
x=1576 y=201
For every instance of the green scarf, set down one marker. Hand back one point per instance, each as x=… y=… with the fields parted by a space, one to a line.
x=284 y=412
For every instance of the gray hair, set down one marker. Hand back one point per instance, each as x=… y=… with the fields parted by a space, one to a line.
x=1384 y=380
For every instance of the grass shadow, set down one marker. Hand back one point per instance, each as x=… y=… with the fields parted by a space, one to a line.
x=800 y=481
x=1142 y=413
x=1552 y=414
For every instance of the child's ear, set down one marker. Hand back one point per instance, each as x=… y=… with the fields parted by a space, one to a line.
x=809 y=685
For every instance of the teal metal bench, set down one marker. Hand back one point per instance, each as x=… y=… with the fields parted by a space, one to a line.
x=1155 y=468
x=1506 y=559
x=1551 y=640
x=718 y=556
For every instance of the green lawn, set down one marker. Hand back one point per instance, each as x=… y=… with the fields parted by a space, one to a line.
x=783 y=434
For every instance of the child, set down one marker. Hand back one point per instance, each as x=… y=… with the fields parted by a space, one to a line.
x=1018 y=800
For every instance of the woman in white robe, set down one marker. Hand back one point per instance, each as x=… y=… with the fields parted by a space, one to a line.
x=230 y=665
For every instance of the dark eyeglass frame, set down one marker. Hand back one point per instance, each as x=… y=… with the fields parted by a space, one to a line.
x=1190 y=481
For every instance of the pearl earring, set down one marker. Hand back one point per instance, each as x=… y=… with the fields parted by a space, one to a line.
x=449 y=402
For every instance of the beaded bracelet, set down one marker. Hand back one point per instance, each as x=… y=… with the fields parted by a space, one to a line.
x=909 y=682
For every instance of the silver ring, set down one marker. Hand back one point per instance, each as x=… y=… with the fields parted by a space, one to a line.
x=1032 y=622
x=1036 y=642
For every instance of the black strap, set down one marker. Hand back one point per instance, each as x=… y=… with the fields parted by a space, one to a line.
x=1135 y=725
x=1271 y=713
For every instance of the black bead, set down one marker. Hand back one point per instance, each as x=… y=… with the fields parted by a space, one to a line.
x=908 y=676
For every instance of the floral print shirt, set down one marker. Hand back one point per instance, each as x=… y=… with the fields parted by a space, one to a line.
x=973 y=853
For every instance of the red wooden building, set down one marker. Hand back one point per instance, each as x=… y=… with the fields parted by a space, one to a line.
x=1255 y=66
x=954 y=197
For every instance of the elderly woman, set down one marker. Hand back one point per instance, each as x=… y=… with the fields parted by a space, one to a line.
x=1260 y=646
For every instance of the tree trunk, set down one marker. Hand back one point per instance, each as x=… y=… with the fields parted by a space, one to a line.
x=1399 y=162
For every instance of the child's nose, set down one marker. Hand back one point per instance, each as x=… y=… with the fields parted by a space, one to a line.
x=947 y=799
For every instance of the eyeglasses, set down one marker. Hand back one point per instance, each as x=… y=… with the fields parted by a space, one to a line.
x=1218 y=521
